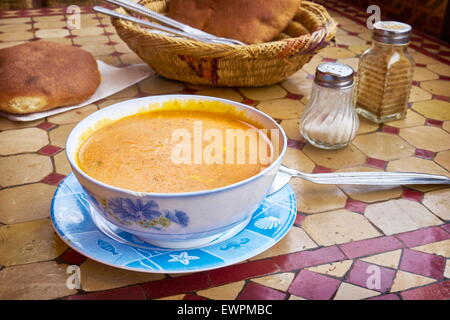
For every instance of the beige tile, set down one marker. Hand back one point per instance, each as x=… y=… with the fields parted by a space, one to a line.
x=296 y=159
x=355 y=28
x=279 y=281
x=440 y=248
x=158 y=85
x=111 y=60
x=335 y=159
x=98 y=49
x=359 y=49
x=87 y=31
x=108 y=102
x=52 y=33
x=366 y=126
x=22 y=140
x=59 y=135
x=264 y=93
x=25 y=203
x=72 y=116
x=421 y=74
x=61 y=164
x=294 y=297
x=411 y=119
x=388 y=259
x=25 y=168
x=6 y=124
x=50 y=24
x=16 y=20
x=349 y=291
x=16 y=36
x=36 y=281
x=350 y=40
x=282 y=109
x=131 y=58
x=439 y=87
x=396 y=216
x=406 y=280
x=384 y=146
x=427 y=137
x=440 y=68
x=298 y=84
x=335 y=269
x=418 y=94
x=295 y=240
x=443 y=159
x=29 y=242
x=96 y=276
x=421 y=58
x=292 y=129
x=92 y=40
x=338 y=226
x=342 y=21
x=10 y=44
x=416 y=165
x=130 y=92
x=438 y=202
x=368 y=193
x=434 y=109
x=225 y=93
x=225 y=292
x=446 y=126
x=336 y=53
x=14 y=27
x=311 y=66
x=313 y=197
x=351 y=62
x=367 y=36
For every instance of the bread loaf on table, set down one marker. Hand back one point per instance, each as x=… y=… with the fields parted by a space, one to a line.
x=43 y=75
x=250 y=21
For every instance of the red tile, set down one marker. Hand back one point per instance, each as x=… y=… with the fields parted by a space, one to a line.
x=308 y=258
x=242 y=271
x=73 y=257
x=191 y=296
x=446 y=227
x=377 y=163
x=255 y=291
x=189 y=90
x=391 y=130
x=362 y=274
x=435 y=123
x=50 y=150
x=296 y=144
x=390 y=296
x=320 y=169
x=299 y=219
x=355 y=206
x=128 y=293
x=314 y=286
x=421 y=153
x=47 y=126
x=53 y=178
x=294 y=96
x=412 y=195
x=177 y=285
x=423 y=236
x=441 y=77
x=368 y=247
x=437 y=291
x=250 y=102
x=422 y=263
x=442 y=98
x=329 y=60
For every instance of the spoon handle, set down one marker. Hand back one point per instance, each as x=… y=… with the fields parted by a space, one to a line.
x=369 y=178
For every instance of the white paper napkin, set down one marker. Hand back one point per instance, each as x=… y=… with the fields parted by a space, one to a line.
x=113 y=80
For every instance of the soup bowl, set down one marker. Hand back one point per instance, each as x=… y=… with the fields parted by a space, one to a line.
x=175 y=220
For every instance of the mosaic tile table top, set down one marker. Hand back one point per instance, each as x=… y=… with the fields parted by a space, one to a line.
x=340 y=232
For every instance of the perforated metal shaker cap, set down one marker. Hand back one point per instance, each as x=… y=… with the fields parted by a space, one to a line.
x=334 y=75
x=391 y=32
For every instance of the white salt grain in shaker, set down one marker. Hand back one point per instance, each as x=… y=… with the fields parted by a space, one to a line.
x=330 y=120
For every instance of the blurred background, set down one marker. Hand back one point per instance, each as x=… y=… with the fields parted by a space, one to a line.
x=429 y=16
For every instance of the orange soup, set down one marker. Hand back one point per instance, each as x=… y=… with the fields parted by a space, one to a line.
x=171 y=151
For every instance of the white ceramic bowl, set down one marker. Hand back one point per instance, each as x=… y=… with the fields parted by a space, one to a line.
x=175 y=220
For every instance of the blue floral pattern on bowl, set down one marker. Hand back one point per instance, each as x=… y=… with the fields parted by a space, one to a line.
x=146 y=214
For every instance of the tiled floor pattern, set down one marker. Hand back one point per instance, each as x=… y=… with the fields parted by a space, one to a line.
x=342 y=235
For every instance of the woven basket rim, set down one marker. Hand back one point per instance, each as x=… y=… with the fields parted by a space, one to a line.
x=305 y=44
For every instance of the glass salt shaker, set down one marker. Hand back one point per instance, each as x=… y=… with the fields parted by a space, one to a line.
x=385 y=73
x=330 y=120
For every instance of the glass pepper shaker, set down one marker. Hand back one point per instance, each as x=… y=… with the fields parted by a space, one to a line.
x=385 y=73
x=330 y=120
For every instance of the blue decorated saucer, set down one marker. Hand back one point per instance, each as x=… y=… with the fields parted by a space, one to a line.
x=76 y=222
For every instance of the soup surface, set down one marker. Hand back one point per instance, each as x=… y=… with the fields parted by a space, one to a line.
x=171 y=151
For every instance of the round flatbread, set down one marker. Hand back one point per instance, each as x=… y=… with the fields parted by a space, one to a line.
x=43 y=75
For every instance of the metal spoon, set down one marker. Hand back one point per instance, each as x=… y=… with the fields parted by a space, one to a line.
x=285 y=174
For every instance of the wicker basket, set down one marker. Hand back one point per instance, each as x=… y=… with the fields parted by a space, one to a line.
x=224 y=65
